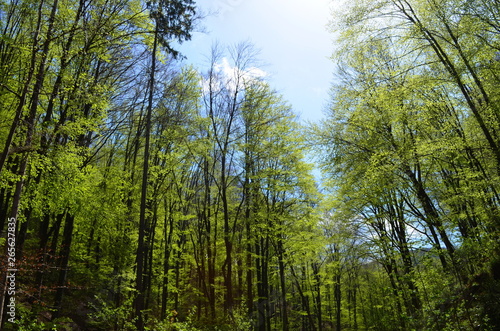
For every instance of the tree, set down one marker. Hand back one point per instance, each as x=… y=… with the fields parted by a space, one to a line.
x=70 y=65
x=410 y=126
x=60 y=103
x=172 y=19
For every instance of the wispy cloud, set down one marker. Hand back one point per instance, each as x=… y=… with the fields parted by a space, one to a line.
x=234 y=73
x=231 y=77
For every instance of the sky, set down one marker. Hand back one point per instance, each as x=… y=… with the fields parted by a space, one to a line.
x=293 y=40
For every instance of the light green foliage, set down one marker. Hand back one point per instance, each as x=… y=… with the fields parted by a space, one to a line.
x=411 y=154
x=105 y=316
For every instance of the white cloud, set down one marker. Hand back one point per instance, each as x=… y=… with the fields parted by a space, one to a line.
x=231 y=75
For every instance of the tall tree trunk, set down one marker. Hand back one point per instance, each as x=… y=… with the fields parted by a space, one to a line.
x=64 y=259
x=337 y=294
x=142 y=253
x=308 y=320
x=228 y=263
x=210 y=231
x=315 y=268
x=281 y=265
x=166 y=260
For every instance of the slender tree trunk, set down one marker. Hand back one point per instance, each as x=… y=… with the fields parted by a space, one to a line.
x=63 y=266
x=228 y=263
x=210 y=232
x=430 y=211
x=315 y=268
x=308 y=320
x=166 y=261
x=337 y=294
x=261 y=322
x=355 y=309
x=142 y=253
x=265 y=277
x=281 y=265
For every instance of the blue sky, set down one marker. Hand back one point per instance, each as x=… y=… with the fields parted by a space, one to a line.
x=293 y=39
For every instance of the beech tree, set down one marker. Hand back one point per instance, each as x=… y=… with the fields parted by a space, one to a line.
x=407 y=131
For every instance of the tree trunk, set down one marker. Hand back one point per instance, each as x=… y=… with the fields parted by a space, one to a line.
x=283 y=285
x=142 y=253
x=317 y=279
x=337 y=294
x=64 y=258
x=166 y=261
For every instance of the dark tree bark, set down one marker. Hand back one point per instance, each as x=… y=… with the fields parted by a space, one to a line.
x=64 y=259
x=142 y=252
x=284 y=301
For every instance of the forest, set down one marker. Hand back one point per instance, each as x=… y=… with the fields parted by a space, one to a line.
x=141 y=193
